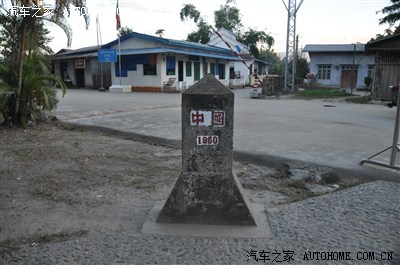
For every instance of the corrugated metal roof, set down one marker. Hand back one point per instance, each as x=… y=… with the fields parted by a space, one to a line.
x=64 y=56
x=177 y=51
x=390 y=43
x=333 y=48
x=262 y=62
x=79 y=51
x=169 y=42
x=246 y=56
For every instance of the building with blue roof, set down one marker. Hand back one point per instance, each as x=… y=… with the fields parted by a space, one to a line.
x=147 y=63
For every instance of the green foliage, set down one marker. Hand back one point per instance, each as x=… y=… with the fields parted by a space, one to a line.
x=189 y=11
x=392 y=13
x=392 y=16
x=160 y=32
x=27 y=34
x=37 y=37
x=322 y=93
x=368 y=81
x=302 y=68
x=277 y=66
x=202 y=34
x=124 y=30
x=228 y=17
x=312 y=84
x=38 y=93
x=255 y=39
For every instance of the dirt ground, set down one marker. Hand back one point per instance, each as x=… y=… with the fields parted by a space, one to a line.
x=59 y=183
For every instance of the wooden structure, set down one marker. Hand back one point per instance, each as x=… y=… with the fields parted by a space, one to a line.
x=387 y=65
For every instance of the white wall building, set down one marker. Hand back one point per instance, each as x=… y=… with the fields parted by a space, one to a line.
x=148 y=61
x=333 y=64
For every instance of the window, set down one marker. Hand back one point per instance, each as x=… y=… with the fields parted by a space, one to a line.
x=350 y=67
x=149 y=69
x=130 y=62
x=324 y=71
x=171 y=65
x=370 y=70
x=188 y=68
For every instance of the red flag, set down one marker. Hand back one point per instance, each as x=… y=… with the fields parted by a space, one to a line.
x=117 y=16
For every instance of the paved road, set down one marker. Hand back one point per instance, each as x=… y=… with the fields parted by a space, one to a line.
x=327 y=133
x=361 y=224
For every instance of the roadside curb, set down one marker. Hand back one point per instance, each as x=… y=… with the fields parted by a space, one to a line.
x=369 y=173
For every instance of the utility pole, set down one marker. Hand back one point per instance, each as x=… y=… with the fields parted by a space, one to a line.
x=352 y=68
x=291 y=49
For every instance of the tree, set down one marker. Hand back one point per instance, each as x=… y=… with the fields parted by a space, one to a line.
x=392 y=15
x=202 y=34
x=160 y=33
x=302 y=69
x=124 y=30
x=36 y=10
x=37 y=93
x=228 y=17
x=37 y=39
x=254 y=39
x=277 y=66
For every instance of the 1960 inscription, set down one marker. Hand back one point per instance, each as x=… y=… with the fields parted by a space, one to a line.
x=207 y=140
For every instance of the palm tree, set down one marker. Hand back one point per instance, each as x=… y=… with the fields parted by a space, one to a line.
x=38 y=10
x=160 y=32
x=37 y=93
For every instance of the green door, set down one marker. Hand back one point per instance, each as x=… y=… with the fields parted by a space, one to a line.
x=196 y=71
x=180 y=71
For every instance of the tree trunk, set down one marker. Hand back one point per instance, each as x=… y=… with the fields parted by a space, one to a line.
x=20 y=72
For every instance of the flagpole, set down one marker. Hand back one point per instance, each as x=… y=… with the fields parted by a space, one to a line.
x=99 y=43
x=119 y=55
x=119 y=40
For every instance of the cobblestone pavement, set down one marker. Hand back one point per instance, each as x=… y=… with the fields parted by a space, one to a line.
x=363 y=220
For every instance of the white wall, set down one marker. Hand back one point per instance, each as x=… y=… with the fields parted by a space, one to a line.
x=136 y=78
x=135 y=43
x=89 y=64
x=337 y=60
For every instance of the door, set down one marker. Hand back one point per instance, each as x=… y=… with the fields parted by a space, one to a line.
x=80 y=77
x=196 y=71
x=232 y=74
x=180 y=71
x=348 y=77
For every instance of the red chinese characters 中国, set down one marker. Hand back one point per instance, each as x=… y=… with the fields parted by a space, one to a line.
x=218 y=119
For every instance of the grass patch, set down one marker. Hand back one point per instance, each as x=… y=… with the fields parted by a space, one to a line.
x=322 y=93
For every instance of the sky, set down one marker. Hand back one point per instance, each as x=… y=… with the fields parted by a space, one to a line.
x=318 y=21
